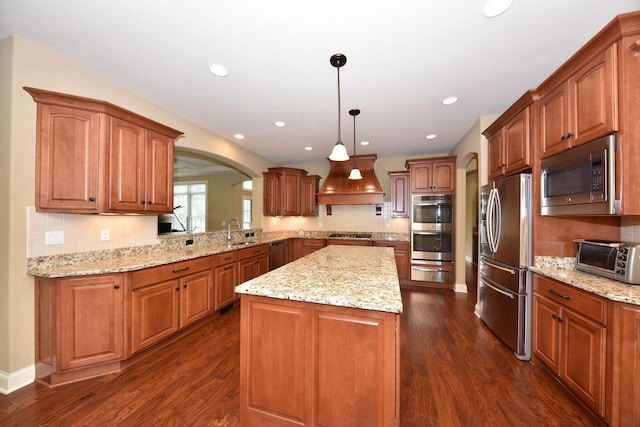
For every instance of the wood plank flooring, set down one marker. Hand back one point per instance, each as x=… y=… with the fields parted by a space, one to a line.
x=454 y=373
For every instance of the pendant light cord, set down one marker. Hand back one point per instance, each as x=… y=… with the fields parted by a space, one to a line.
x=354 y=141
x=338 y=104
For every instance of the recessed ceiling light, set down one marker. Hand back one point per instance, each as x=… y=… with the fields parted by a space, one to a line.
x=308 y=148
x=493 y=8
x=450 y=100
x=364 y=143
x=431 y=136
x=218 y=70
x=238 y=136
x=280 y=124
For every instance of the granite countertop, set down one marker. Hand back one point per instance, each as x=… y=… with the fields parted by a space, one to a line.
x=563 y=270
x=349 y=276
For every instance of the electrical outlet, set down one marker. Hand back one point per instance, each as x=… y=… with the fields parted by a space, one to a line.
x=104 y=235
x=54 y=237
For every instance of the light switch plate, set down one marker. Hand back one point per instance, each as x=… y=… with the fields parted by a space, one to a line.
x=104 y=234
x=54 y=237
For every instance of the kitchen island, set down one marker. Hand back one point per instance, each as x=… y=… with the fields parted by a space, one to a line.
x=320 y=341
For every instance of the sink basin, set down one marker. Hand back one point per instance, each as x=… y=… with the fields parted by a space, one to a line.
x=242 y=243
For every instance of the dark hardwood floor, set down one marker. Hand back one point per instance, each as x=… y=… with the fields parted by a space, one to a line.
x=454 y=373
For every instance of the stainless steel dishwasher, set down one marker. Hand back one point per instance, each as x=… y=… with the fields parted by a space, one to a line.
x=276 y=254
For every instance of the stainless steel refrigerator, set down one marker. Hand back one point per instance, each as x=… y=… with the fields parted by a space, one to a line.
x=504 y=297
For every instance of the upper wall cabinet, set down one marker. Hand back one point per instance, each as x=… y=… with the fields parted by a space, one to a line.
x=95 y=157
x=400 y=199
x=432 y=175
x=509 y=139
x=289 y=191
x=582 y=108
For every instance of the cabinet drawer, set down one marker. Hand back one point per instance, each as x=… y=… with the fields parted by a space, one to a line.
x=313 y=243
x=254 y=251
x=569 y=296
x=225 y=258
x=152 y=275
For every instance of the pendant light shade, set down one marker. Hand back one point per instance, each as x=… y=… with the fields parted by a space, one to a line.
x=355 y=172
x=339 y=152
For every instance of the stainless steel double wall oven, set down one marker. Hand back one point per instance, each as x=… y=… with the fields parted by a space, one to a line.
x=432 y=225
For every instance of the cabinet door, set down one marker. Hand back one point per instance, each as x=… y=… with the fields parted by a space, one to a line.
x=444 y=177
x=495 y=153
x=246 y=269
x=154 y=313
x=309 y=195
x=400 y=195
x=91 y=320
x=517 y=145
x=555 y=121
x=126 y=167
x=290 y=192
x=225 y=279
x=594 y=100
x=583 y=350
x=67 y=159
x=546 y=332
x=158 y=194
x=629 y=372
x=262 y=265
x=270 y=194
x=422 y=178
x=195 y=298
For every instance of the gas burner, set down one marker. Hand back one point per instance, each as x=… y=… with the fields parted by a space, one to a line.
x=351 y=235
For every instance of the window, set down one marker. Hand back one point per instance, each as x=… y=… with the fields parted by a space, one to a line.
x=190 y=206
x=246 y=212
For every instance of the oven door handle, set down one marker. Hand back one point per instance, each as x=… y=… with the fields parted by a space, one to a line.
x=431 y=233
x=507 y=294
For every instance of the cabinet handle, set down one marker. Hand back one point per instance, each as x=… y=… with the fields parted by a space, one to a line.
x=227 y=258
x=142 y=202
x=185 y=286
x=116 y=287
x=558 y=318
x=228 y=268
x=567 y=136
x=553 y=291
x=180 y=269
x=92 y=199
x=149 y=202
x=177 y=288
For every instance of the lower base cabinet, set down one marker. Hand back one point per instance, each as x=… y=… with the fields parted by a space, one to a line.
x=253 y=262
x=225 y=277
x=79 y=325
x=570 y=337
x=403 y=258
x=304 y=364
x=627 y=390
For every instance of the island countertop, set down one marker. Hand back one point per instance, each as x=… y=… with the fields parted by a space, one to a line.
x=346 y=276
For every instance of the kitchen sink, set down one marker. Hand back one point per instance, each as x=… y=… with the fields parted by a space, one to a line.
x=248 y=242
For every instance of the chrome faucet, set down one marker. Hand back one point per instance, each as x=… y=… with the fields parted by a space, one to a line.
x=229 y=228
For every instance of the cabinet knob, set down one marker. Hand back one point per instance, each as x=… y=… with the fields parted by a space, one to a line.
x=92 y=199
x=177 y=288
x=185 y=286
x=116 y=287
x=149 y=202
x=142 y=202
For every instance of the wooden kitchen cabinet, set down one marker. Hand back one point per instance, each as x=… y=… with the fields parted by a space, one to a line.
x=400 y=194
x=403 y=258
x=509 y=139
x=311 y=245
x=309 y=203
x=225 y=274
x=141 y=169
x=79 y=327
x=432 y=175
x=305 y=364
x=582 y=108
x=167 y=298
x=253 y=262
x=570 y=338
x=293 y=249
x=284 y=192
x=627 y=398
x=95 y=157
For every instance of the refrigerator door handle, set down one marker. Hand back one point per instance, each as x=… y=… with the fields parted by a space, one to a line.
x=507 y=294
x=498 y=215
x=490 y=220
x=499 y=267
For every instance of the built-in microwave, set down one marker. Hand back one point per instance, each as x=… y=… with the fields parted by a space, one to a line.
x=580 y=181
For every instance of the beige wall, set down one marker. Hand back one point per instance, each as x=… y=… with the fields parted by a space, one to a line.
x=25 y=64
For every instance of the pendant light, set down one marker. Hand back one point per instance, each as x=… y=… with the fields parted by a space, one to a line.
x=355 y=172
x=339 y=152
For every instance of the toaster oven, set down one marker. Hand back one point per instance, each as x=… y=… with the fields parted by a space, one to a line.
x=614 y=260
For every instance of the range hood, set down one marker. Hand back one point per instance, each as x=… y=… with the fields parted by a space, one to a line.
x=339 y=190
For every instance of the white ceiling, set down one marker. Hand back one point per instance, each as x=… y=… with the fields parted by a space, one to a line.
x=403 y=58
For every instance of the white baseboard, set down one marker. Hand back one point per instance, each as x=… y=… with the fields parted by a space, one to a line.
x=10 y=382
x=461 y=287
